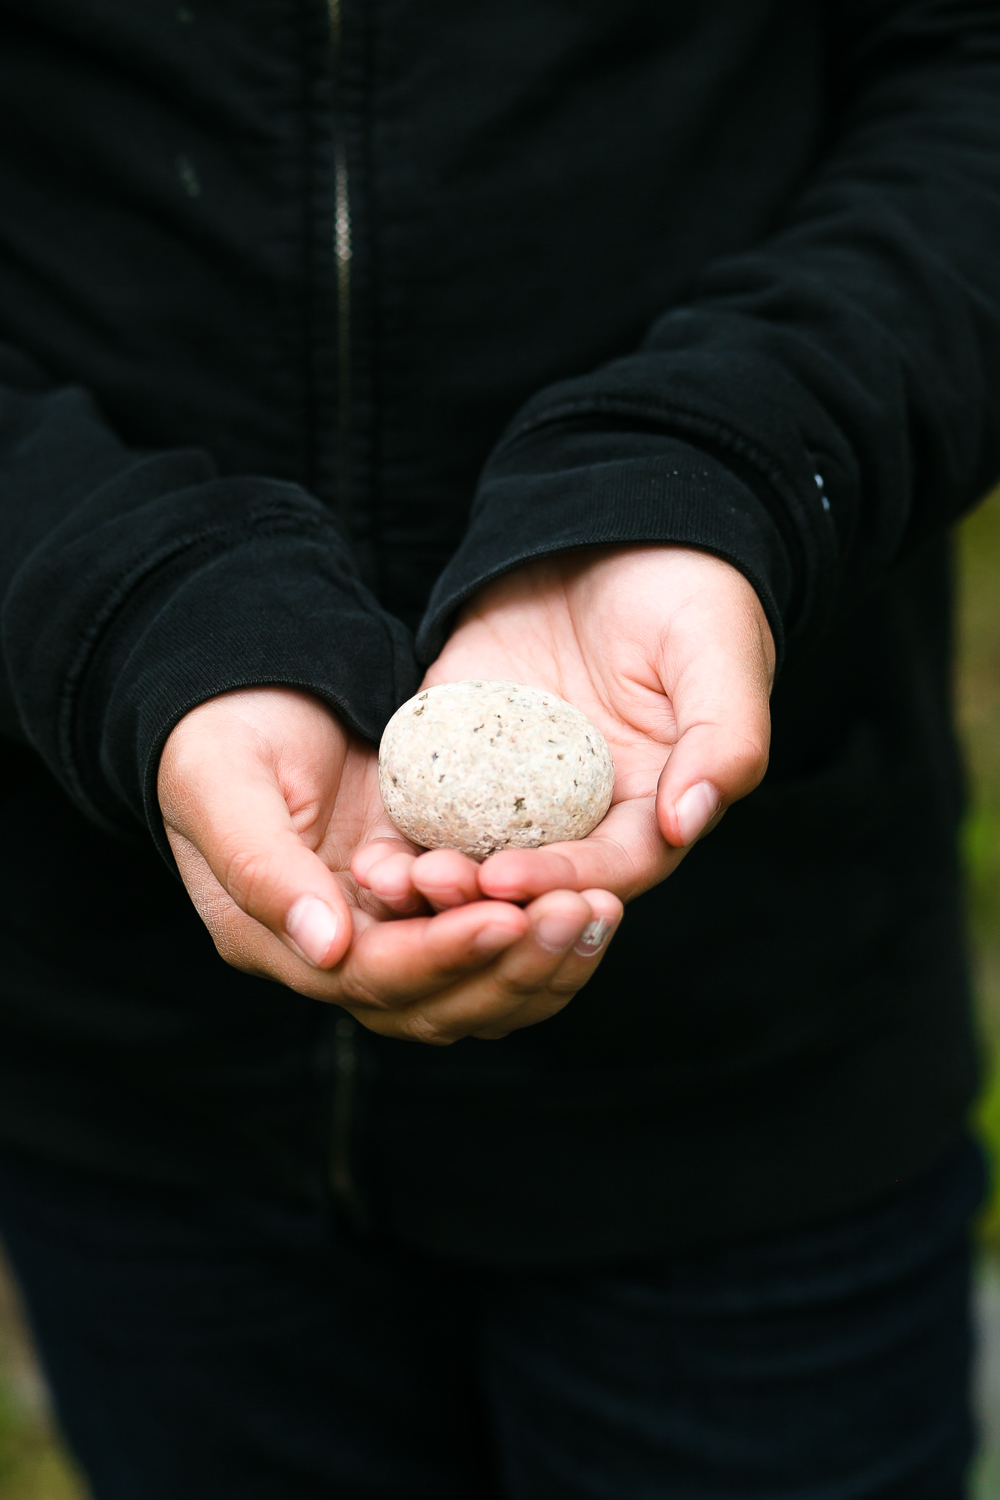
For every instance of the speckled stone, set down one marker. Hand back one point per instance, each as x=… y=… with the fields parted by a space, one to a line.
x=482 y=766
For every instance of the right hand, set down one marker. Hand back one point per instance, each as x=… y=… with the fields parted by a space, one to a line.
x=668 y=652
x=266 y=797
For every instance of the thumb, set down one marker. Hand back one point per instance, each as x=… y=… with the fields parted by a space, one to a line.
x=230 y=827
x=721 y=708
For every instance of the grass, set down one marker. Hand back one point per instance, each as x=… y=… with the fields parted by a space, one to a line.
x=33 y=1463
x=978 y=704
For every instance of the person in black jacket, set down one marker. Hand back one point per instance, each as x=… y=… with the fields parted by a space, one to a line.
x=639 y=352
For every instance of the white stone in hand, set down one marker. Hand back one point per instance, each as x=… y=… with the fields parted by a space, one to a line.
x=482 y=766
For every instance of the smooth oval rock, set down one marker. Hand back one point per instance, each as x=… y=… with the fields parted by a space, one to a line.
x=482 y=766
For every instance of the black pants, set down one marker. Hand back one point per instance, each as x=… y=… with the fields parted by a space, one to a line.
x=224 y=1348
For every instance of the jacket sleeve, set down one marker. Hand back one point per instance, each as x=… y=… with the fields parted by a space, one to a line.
x=136 y=585
x=826 y=397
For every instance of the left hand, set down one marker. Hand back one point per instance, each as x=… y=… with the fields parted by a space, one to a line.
x=265 y=795
x=668 y=651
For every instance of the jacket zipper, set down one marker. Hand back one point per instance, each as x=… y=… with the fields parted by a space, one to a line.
x=345 y=1048
x=342 y=262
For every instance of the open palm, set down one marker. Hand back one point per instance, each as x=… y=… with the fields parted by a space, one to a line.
x=667 y=650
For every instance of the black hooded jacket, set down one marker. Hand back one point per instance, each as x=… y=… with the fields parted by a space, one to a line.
x=315 y=319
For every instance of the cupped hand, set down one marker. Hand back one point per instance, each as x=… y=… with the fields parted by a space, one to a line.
x=668 y=651
x=265 y=798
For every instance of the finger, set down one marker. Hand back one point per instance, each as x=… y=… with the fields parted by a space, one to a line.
x=409 y=884
x=625 y=854
x=721 y=704
x=576 y=969
x=390 y=879
x=393 y=964
x=238 y=821
x=581 y=962
x=484 y=1000
x=447 y=878
x=389 y=962
x=377 y=848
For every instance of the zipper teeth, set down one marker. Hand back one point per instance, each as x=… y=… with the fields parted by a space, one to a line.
x=342 y=260
x=342 y=1181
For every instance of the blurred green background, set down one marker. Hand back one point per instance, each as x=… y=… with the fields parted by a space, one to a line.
x=32 y=1463
x=978 y=695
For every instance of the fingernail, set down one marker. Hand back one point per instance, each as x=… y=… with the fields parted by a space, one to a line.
x=494 y=938
x=695 y=809
x=556 y=930
x=312 y=927
x=593 y=937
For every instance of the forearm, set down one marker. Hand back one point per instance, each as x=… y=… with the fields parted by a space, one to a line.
x=824 y=397
x=136 y=586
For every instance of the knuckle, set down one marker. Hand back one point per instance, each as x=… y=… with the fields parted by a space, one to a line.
x=749 y=758
x=248 y=873
x=233 y=949
x=565 y=988
x=227 y=950
x=223 y=927
x=522 y=989
x=418 y=1027
x=358 y=990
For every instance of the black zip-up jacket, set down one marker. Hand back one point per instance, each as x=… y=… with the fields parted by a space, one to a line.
x=314 y=322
